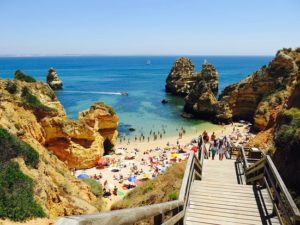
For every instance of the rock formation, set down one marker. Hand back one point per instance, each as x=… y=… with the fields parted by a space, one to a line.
x=281 y=137
x=202 y=101
x=53 y=80
x=181 y=77
x=256 y=96
x=41 y=121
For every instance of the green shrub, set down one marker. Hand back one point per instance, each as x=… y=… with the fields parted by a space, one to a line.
x=96 y=187
x=294 y=115
x=11 y=87
x=290 y=122
x=173 y=195
x=19 y=75
x=284 y=136
x=12 y=147
x=16 y=194
x=148 y=188
x=32 y=101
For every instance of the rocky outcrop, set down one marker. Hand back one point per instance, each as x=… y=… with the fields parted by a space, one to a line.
x=255 y=97
x=53 y=80
x=61 y=143
x=181 y=77
x=202 y=99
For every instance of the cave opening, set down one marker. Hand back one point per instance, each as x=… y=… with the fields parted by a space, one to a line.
x=108 y=146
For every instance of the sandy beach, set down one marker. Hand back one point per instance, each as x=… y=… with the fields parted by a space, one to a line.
x=140 y=159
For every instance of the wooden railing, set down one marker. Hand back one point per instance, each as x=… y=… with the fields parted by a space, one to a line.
x=176 y=208
x=264 y=173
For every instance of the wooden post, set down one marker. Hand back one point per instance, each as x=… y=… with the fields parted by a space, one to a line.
x=158 y=219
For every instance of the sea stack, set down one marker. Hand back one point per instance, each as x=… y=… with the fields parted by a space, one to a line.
x=181 y=77
x=53 y=80
x=202 y=99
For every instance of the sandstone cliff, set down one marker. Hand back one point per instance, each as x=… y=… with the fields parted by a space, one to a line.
x=255 y=97
x=32 y=112
x=202 y=98
x=53 y=80
x=281 y=136
x=181 y=77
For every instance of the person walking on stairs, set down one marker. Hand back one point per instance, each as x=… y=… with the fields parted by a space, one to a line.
x=221 y=149
x=214 y=149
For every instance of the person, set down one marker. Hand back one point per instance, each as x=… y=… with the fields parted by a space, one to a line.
x=115 y=191
x=221 y=150
x=213 y=136
x=214 y=148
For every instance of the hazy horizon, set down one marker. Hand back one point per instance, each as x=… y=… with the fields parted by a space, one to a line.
x=148 y=28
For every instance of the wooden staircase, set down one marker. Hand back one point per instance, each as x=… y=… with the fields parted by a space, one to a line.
x=219 y=199
x=241 y=191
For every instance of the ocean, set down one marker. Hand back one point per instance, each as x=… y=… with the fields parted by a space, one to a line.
x=89 y=79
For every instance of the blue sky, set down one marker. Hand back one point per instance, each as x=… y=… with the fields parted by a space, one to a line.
x=148 y=27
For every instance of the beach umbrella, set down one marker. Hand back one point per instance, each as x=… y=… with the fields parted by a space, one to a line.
x=146 y=175
x=194 y=149
x=120 y=193
x=132 y=179
x=174 y=155
x=83 y=176
x=101 y=162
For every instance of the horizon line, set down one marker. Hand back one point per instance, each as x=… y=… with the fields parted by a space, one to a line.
x=122 y=55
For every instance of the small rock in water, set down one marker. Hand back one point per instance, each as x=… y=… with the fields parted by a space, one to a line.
x=53 y=80
x=131 y=129
x=164 y=101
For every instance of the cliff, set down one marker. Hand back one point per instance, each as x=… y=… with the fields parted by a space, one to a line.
x=31 y=111
x=255 y=97
x=281 y=136
x=202 y=98
x=181 y=77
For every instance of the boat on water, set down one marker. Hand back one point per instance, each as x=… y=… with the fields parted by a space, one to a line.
x=148 y=62
x=124 y=93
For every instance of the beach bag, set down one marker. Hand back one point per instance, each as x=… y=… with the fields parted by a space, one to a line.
x=227 y=155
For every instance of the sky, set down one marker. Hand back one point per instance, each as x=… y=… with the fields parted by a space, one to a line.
x=148 y=27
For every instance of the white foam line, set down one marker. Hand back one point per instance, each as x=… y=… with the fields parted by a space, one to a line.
x=95 y=92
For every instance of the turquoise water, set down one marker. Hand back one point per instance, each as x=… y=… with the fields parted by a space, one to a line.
x=86 y=78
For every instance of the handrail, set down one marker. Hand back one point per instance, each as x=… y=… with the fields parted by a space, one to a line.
x=265 y=172
x=129 y=216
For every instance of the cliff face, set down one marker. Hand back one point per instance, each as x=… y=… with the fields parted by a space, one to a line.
x=255 y=97
x=281 y=136
x=32 y=112
x=202 y=101
x=181 y=77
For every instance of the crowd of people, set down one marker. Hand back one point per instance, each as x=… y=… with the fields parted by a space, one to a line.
x=130 y=166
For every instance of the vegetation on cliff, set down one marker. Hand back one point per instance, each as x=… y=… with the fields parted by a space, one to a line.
x=287 y=154
x=31 y=111
x=289 y=125
x=12 y=147
x=164 y=188
x=33 y=102
x=95 y=186
x=11 y=87
x=19 y=75
x=16 y=189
